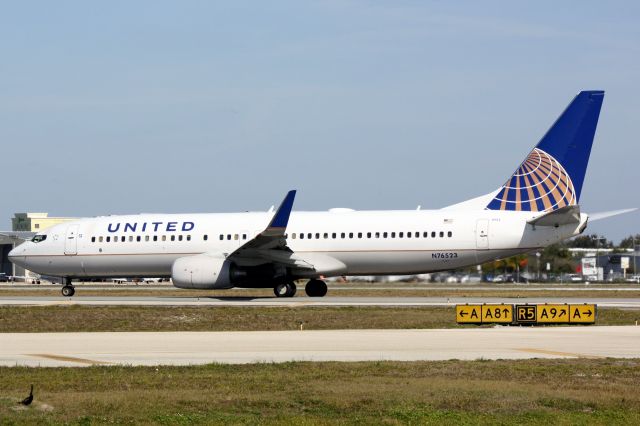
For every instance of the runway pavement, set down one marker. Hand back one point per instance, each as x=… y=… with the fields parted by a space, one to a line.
x=34 y=300
x=186 y=348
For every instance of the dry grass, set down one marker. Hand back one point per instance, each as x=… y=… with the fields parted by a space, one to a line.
x=224 y=318
x=450 y=392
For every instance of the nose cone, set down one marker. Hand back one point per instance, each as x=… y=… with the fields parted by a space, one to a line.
x=17 y=256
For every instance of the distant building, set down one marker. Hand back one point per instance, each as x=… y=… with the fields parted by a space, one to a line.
x=610 y=265
x=35 y=222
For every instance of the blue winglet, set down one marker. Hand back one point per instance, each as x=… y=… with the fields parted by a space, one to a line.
x=281 y=218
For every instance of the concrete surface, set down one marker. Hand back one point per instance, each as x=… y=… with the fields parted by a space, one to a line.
x=185 y=348
x=34 y=300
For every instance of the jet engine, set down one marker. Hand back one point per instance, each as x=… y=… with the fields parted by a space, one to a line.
x=204 y=271
x=201 y=271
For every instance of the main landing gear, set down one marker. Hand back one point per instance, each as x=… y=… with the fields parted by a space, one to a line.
x=285 y=290
x=67 y=289
x=316 y=288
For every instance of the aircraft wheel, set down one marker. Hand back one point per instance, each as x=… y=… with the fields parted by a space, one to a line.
x=68 y=291
x=285 y=290
x=316 y=288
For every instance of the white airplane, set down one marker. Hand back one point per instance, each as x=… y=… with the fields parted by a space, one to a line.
x=537 y=206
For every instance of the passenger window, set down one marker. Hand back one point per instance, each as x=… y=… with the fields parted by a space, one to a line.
x=350 y=234
x=302 y=235
x=146 y=238
x=441 y=234
x=293 y=236
x=393 y=235
x=244 y=236
x=229 y=237
x=179 y=237
x=425 y=234
x=333 y=235
x=401 y=235
x=309 y=235
x=417 y=235
x=368 y=234
x=317 y=236
x=433 y=234
x=221 y=237
x=205 y=237
x=108 y=239
x=93 y=239
x=359 y=234
x=326 y=235
x=155 y=238
x=236 y=237
x=449 y=234
x=138 y=238
x=100 y=239
x=384 y=235
x=130 y=238
x=377 y=235
x=164 y=238
x=343 y=235
x=122 y=239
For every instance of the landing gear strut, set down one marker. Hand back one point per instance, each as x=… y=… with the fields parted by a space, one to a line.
x=67 y=289
x=285 y=290
x=316 y=288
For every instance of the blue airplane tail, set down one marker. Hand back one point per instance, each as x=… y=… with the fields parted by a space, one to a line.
x=552 y=175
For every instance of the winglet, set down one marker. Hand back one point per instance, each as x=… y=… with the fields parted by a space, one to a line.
x=281 y=218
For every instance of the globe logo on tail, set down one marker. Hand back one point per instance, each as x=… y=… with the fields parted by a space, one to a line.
x=540 y=184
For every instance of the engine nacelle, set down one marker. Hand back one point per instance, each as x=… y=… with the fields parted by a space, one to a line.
x=201 y=271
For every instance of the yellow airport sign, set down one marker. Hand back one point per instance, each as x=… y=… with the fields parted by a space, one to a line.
x=582 y=314
x=552 y=314
x=497 y=314
x=526 y=314
x=468 y=314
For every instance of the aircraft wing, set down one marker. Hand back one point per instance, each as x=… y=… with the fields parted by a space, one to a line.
x=272 y=238
x=270 y=246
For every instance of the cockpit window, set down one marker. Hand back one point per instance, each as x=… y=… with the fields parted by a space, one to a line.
x=38 y=238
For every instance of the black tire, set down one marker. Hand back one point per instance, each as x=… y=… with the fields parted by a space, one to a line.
x=316 y=288
x=68 y=291
x=285 y=290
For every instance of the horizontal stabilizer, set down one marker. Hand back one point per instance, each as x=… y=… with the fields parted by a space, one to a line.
x=563 y=216
x=604 y=215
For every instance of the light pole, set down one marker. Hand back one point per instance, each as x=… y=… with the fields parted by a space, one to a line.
x=598 y=239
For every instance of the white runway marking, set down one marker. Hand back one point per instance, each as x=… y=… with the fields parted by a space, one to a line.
x=185 y=348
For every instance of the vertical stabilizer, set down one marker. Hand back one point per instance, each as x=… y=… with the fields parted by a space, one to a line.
x=552 y=175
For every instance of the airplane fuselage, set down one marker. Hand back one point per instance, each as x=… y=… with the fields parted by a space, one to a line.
x=365 y=242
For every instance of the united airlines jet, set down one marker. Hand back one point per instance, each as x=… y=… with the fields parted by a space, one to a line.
x=537 y=206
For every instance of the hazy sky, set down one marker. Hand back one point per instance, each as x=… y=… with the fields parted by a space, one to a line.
x=201 y=106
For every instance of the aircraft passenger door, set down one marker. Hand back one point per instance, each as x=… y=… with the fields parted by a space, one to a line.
x=71 y=240
x=482 y=234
